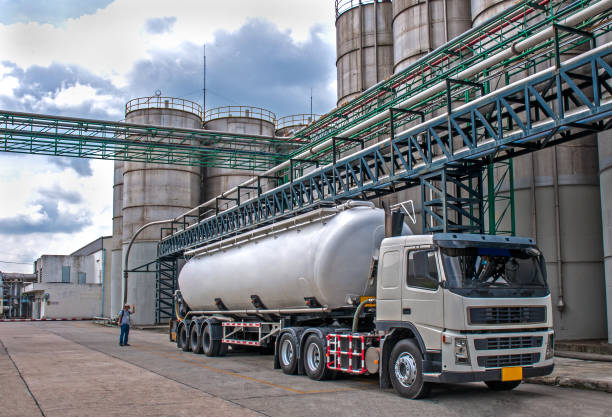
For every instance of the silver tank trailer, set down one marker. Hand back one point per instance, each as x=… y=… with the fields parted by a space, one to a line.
x=327 y=258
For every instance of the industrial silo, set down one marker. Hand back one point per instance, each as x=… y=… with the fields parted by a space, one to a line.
x=155 y=192
x=235 y=119
x=364 y=45
x=604 y=147
x=116 y=275
x=288 y=126
x=556 y=197
x=420 y=26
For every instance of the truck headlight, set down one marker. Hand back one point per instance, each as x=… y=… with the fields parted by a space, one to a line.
x=462 y=353
x=550 y=346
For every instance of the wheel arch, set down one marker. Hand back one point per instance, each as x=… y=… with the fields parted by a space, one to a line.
x=400 y=331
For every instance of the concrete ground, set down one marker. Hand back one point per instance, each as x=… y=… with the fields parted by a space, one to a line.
x=78 y=369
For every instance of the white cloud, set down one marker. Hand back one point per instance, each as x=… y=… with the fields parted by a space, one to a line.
x=79 y=94
x=111 y=40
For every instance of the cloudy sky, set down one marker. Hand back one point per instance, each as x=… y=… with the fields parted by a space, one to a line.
x=87 y=58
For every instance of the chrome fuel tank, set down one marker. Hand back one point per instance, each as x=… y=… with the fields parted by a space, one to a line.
x=327 y=254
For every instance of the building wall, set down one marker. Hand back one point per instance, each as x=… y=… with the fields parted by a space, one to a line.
x=65 y=300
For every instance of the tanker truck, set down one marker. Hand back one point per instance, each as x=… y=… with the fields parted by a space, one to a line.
x=347 y=289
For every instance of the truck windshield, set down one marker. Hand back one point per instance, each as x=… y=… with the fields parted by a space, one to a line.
x=491 y=268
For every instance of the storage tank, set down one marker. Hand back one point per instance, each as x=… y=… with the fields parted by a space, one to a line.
x=565 y=176
x=327 y=256
x=235 y=119
x=364 y=45
x=116 y=265
x=155 y=192
x=288 y=126
x=420 y=26
x=605 y=188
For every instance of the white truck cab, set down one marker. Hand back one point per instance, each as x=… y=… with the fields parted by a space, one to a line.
x=459 y=308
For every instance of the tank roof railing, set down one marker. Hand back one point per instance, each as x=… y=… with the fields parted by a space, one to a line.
x=346 y=5
x=158 y=102
x=296 y=120
x=240 y=111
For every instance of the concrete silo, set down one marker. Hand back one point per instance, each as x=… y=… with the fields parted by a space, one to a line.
x=235 y=119
x=364 y=45
x=116 y=265
x=155 y=192
x=420 y=26
x=556 y=195
x=288 y=126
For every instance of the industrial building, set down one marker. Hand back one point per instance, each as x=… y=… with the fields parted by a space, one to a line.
x=400 y=64
x=13 y=302
x=72 y=286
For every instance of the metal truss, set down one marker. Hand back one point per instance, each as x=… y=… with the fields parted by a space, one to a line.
x=547 y=108
x=98 y=139
x=467 y=50
x=166 y=284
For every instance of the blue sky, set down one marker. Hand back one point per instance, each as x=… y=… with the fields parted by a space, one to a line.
x=87 y=58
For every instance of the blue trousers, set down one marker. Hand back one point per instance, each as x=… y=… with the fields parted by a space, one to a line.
x=123 y=337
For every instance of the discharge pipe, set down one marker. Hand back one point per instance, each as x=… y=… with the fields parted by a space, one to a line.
x=127 y=254
x=515 y=49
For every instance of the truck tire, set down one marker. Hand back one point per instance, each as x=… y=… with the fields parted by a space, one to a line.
x=287 y=354
x=406 y=370
x=209 y=346
x=195 y=339
x=502 y=385
x=184 y=339
x=315 y=363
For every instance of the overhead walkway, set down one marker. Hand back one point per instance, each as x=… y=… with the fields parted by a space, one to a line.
x=552 y=106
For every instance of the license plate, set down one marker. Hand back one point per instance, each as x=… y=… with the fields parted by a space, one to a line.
x=514 y=373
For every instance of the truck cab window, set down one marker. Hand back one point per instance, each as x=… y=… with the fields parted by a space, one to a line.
x=422 y=269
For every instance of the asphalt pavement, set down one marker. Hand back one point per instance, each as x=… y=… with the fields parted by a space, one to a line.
x=78 y=369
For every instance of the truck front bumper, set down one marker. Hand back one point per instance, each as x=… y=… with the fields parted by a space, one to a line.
x=488 y=375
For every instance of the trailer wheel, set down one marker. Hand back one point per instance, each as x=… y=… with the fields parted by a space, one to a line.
x=502 y=385
x=315 y=363
x=406 y=370
x=183 y=339
x=195 y=339
x=287 y=354
x=209 y=346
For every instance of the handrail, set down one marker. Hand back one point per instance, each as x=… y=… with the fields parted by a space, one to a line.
x=239 y=111
x=158 y=102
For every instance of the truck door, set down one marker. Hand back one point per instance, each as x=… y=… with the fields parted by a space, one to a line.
x=389 y=293
x=422 y=297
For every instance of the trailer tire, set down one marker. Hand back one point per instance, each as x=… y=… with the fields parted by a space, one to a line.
x=502 y=385
x=406 y=370
x=209 y=346
x=184 y=339
x=315 y=363
x=195 y=339
x=287 y=353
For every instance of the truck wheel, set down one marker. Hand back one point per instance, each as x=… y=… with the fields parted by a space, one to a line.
x=209 y=346
x=287 y=353
x=315 y=363
x=184 y=339
x=194 y=339
x=406 y=370
x=502 y=385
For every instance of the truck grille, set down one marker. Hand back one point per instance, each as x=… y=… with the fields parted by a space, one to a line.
x=507 y=315
x=522 y=359
x=521 y=342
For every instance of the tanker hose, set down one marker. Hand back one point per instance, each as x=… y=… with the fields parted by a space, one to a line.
x=176 y=308
x=358 y=312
